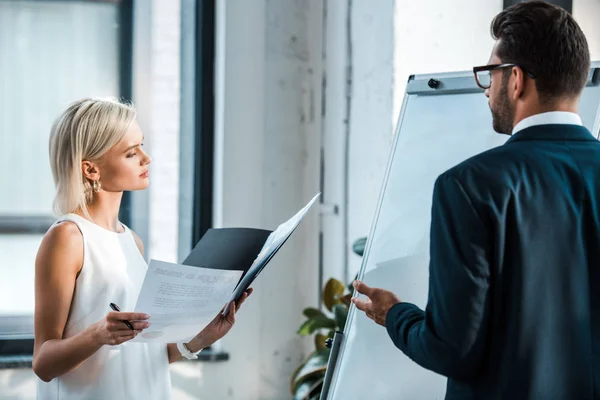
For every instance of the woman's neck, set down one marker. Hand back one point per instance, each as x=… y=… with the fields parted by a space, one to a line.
x=104 y=210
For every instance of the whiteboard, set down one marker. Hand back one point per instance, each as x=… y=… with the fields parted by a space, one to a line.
x=437 y=129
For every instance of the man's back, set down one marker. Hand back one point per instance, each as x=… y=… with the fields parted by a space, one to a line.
x=539 y=196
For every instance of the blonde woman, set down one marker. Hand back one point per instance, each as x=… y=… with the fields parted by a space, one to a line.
x=88 y=259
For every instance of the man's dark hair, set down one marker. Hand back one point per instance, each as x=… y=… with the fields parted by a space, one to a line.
x=545 y=41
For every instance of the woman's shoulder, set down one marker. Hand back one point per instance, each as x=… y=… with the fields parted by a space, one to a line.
x=61 y=250
x=64 y=228
x=63 y=238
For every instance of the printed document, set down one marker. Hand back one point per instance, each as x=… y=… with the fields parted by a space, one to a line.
x=181 y=300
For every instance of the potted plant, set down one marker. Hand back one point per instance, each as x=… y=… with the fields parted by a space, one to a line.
x=307 y=380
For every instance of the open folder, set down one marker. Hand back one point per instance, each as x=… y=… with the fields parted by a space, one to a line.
x=183 y=298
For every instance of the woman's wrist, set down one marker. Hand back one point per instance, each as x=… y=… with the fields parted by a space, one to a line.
x=197 y=343
x=92 y=335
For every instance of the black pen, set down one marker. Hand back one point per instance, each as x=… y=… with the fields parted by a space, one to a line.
x=116 y=308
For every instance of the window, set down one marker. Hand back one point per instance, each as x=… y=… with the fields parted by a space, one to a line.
x=51 y=53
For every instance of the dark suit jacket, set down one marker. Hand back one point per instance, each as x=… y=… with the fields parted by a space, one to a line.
x=514 y=293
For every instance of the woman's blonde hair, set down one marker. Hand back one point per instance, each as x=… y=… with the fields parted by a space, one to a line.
x=85 y=131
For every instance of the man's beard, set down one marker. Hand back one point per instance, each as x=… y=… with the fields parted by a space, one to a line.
x=503 y=114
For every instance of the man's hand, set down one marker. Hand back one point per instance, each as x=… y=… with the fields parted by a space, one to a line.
x=377 y=304
x=219 y=326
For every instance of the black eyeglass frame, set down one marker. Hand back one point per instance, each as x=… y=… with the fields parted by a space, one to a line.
x=493 y=67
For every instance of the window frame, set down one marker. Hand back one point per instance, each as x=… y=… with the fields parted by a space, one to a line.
x=197 y=122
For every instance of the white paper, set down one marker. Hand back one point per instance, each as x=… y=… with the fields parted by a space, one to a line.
x=283 y=231
x=273 y=242
x=181 y=300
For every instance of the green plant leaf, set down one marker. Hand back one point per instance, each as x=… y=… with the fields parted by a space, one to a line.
x=293 y=378
x=332 y=292
x=303 y=389
x=312 y=312
x=309 y=389
x=316 y=323
x=340 y=313
x=306 y=328
x=314 y=367
x=359 y=246
x=320 y=341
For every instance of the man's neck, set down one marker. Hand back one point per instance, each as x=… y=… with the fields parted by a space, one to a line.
x=570 y=106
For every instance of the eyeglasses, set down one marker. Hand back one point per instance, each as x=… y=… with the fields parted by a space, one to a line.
x=483 y=74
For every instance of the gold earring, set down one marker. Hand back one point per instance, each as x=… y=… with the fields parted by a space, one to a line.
x=97 y=186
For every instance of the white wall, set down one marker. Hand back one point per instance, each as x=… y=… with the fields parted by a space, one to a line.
x=436 y=36
x=268 y=123
x=371 y=127
x=336 y=92
x=587 y=12
x=358 y=103
x=162 y=132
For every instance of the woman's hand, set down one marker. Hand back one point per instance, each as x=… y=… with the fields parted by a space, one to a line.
x=218 y=327
x=113 y=331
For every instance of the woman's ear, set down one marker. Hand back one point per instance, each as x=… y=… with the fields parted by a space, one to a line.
x=90 y=170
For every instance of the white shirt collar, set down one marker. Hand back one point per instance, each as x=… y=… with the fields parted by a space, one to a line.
x=548 y=118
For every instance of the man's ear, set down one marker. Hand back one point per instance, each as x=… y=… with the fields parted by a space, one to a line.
x=518 y=79
x=90 y=170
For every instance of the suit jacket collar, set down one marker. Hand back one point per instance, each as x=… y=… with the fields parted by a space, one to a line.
x=559 y=132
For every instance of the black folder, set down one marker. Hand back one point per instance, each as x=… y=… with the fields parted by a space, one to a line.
x=237 y=249
x=232 y=249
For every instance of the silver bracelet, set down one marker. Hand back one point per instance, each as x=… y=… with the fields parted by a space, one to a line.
x=186 y=353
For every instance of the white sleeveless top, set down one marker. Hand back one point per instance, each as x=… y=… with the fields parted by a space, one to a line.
x=113 y=272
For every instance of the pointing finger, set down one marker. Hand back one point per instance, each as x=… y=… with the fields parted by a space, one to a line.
x=129 y=316
x=362 y=288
